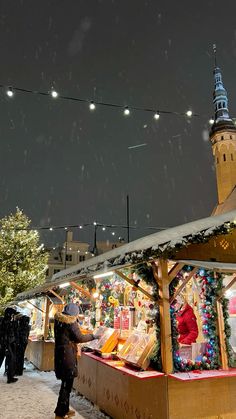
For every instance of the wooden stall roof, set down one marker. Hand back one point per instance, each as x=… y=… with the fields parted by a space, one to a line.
x=122 y=255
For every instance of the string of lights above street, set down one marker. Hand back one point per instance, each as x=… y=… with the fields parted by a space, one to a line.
x=94 y=224
x=92 y=104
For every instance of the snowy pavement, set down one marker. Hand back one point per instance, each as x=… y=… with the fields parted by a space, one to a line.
x=34 y=396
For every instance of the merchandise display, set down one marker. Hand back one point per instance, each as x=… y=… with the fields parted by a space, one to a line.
x=37 y=318
x=138 y=349
x=107 y=342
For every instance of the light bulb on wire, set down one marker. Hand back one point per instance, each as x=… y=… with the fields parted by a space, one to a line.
x=10 y=92
x=156 y=116
x=189 y=113
x=54 y=94
x=211 y=121
x=92 y=106
x=126 y=111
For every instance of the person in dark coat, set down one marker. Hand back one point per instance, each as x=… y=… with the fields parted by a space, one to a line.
x=22 y=334
x=10 y=343
x=2 y=341
x=67 y=334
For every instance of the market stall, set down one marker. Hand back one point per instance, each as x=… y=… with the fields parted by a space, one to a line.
x=150 y=363
x=43 y=302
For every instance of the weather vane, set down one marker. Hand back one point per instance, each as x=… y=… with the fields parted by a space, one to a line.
x=214 y=50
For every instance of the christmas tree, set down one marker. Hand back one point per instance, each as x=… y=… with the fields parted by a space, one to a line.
x=23 y=262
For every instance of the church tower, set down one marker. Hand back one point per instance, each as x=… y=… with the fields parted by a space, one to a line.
x=223 y=141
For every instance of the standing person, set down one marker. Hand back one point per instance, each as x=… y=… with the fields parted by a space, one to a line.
x=10 y=342
x=67 y=334
x=22 y=334
x=2 y=341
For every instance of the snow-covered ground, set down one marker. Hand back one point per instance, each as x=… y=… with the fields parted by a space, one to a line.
x=34 y=396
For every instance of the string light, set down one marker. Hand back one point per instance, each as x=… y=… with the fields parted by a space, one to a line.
x=81 y=226
x=54 y=94
x=92 y=104
x=211 y=121
x=126 y=111
x=10 y=92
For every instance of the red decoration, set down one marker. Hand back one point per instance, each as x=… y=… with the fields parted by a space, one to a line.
x=232 y=305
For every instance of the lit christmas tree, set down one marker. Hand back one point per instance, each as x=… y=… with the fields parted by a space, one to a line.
x=23 y=262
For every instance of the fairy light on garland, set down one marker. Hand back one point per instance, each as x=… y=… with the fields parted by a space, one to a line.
x=92 y=103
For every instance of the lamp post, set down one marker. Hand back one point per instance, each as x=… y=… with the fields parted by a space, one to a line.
x=95 y=249
x=66 y=242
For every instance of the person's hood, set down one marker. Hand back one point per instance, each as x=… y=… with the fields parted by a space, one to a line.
x=64 y=318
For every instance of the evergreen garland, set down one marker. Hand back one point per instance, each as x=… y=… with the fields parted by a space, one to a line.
x=145 y=272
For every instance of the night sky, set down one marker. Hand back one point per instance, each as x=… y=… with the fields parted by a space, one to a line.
x=63 y=164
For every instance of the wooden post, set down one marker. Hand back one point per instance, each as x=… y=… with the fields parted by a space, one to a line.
x=46 y=320
x=221 y=330
x=161 y=276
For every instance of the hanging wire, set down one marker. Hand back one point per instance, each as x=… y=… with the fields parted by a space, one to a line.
x=93 y=103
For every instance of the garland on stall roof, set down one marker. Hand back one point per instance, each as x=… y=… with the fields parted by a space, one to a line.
x=169 y=249
x=145 y=272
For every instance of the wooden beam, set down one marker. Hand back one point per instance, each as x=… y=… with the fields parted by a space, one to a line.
x=133 y=283
x=161 y=274
x=221 y=331
x=81 y=289
x=57 y=295
x=46 y=320
x=174 y=271
x=184 y=283
x=28 y=301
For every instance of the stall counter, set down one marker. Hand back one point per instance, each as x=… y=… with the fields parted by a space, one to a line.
x=41 y=354
x=120 y=391
x=127 y=394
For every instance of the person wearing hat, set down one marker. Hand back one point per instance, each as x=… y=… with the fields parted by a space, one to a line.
x=67 y=333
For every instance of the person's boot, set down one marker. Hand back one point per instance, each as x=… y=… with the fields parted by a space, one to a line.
x=12 y=380
x=70 y=413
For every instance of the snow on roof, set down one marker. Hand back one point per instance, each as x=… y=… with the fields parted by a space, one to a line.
x=167 y=239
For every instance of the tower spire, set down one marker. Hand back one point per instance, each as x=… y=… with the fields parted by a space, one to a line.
x=220 y=98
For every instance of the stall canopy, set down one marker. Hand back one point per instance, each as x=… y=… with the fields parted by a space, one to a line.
x=144 y=248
